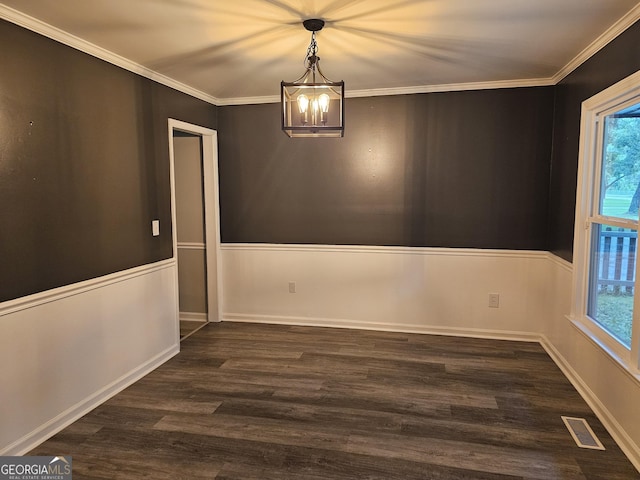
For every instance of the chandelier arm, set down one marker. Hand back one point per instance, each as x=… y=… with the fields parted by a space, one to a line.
x=303 y=77
x=322 y=74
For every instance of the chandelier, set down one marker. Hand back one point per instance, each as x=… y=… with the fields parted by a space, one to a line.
x=313 y=105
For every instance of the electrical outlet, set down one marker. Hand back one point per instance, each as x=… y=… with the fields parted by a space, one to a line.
x=494 y=300
x=292 y=287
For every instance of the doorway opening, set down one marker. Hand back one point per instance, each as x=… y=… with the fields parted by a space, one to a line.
x=196 y=225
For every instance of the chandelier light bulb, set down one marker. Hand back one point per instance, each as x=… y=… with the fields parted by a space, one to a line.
x=303 y=103
x=323 y=102
x=303 y=106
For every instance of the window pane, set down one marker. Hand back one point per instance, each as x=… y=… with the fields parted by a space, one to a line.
x=612 y=280
x=620 y=188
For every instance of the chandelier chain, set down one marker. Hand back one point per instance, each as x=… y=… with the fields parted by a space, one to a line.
x=312 y=50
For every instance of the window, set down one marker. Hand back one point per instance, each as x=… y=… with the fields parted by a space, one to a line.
x=606 y=302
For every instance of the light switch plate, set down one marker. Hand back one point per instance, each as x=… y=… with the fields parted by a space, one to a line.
x=155 y=227
x=494 y=300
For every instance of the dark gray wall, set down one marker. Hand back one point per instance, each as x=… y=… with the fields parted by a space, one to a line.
x=457 y=169
x=84 y=164
x=617 y=60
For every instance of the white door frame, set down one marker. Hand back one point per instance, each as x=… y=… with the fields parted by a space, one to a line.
x=211 y=213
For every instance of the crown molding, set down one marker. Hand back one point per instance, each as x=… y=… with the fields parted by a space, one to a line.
x=54 y=33
x=451 y=87
x=380 y=92
x=40 y=27
x=249 y=100
x=631 y=17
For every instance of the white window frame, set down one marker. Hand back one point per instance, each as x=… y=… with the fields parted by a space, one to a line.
x=594 y=110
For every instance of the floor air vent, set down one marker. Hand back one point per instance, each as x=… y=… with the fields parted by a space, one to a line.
x=582 y=433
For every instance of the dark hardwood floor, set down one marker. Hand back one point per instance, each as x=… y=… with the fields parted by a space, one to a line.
x=269 y=402
x=188 y=327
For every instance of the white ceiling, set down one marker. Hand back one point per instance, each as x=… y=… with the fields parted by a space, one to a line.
x=234 y=51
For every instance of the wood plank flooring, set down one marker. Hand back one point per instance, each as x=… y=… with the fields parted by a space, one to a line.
x=187 y=327
x=269 y=402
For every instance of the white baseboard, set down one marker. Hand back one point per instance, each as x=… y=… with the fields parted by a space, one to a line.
x=383 y=327
x=66 y=418
x=626 y=444
x=193 y=317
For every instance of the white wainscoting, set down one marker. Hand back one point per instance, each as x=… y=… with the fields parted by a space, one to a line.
x=423 y=290
x=437 y=291
x=65 y=351
x=610 y=390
